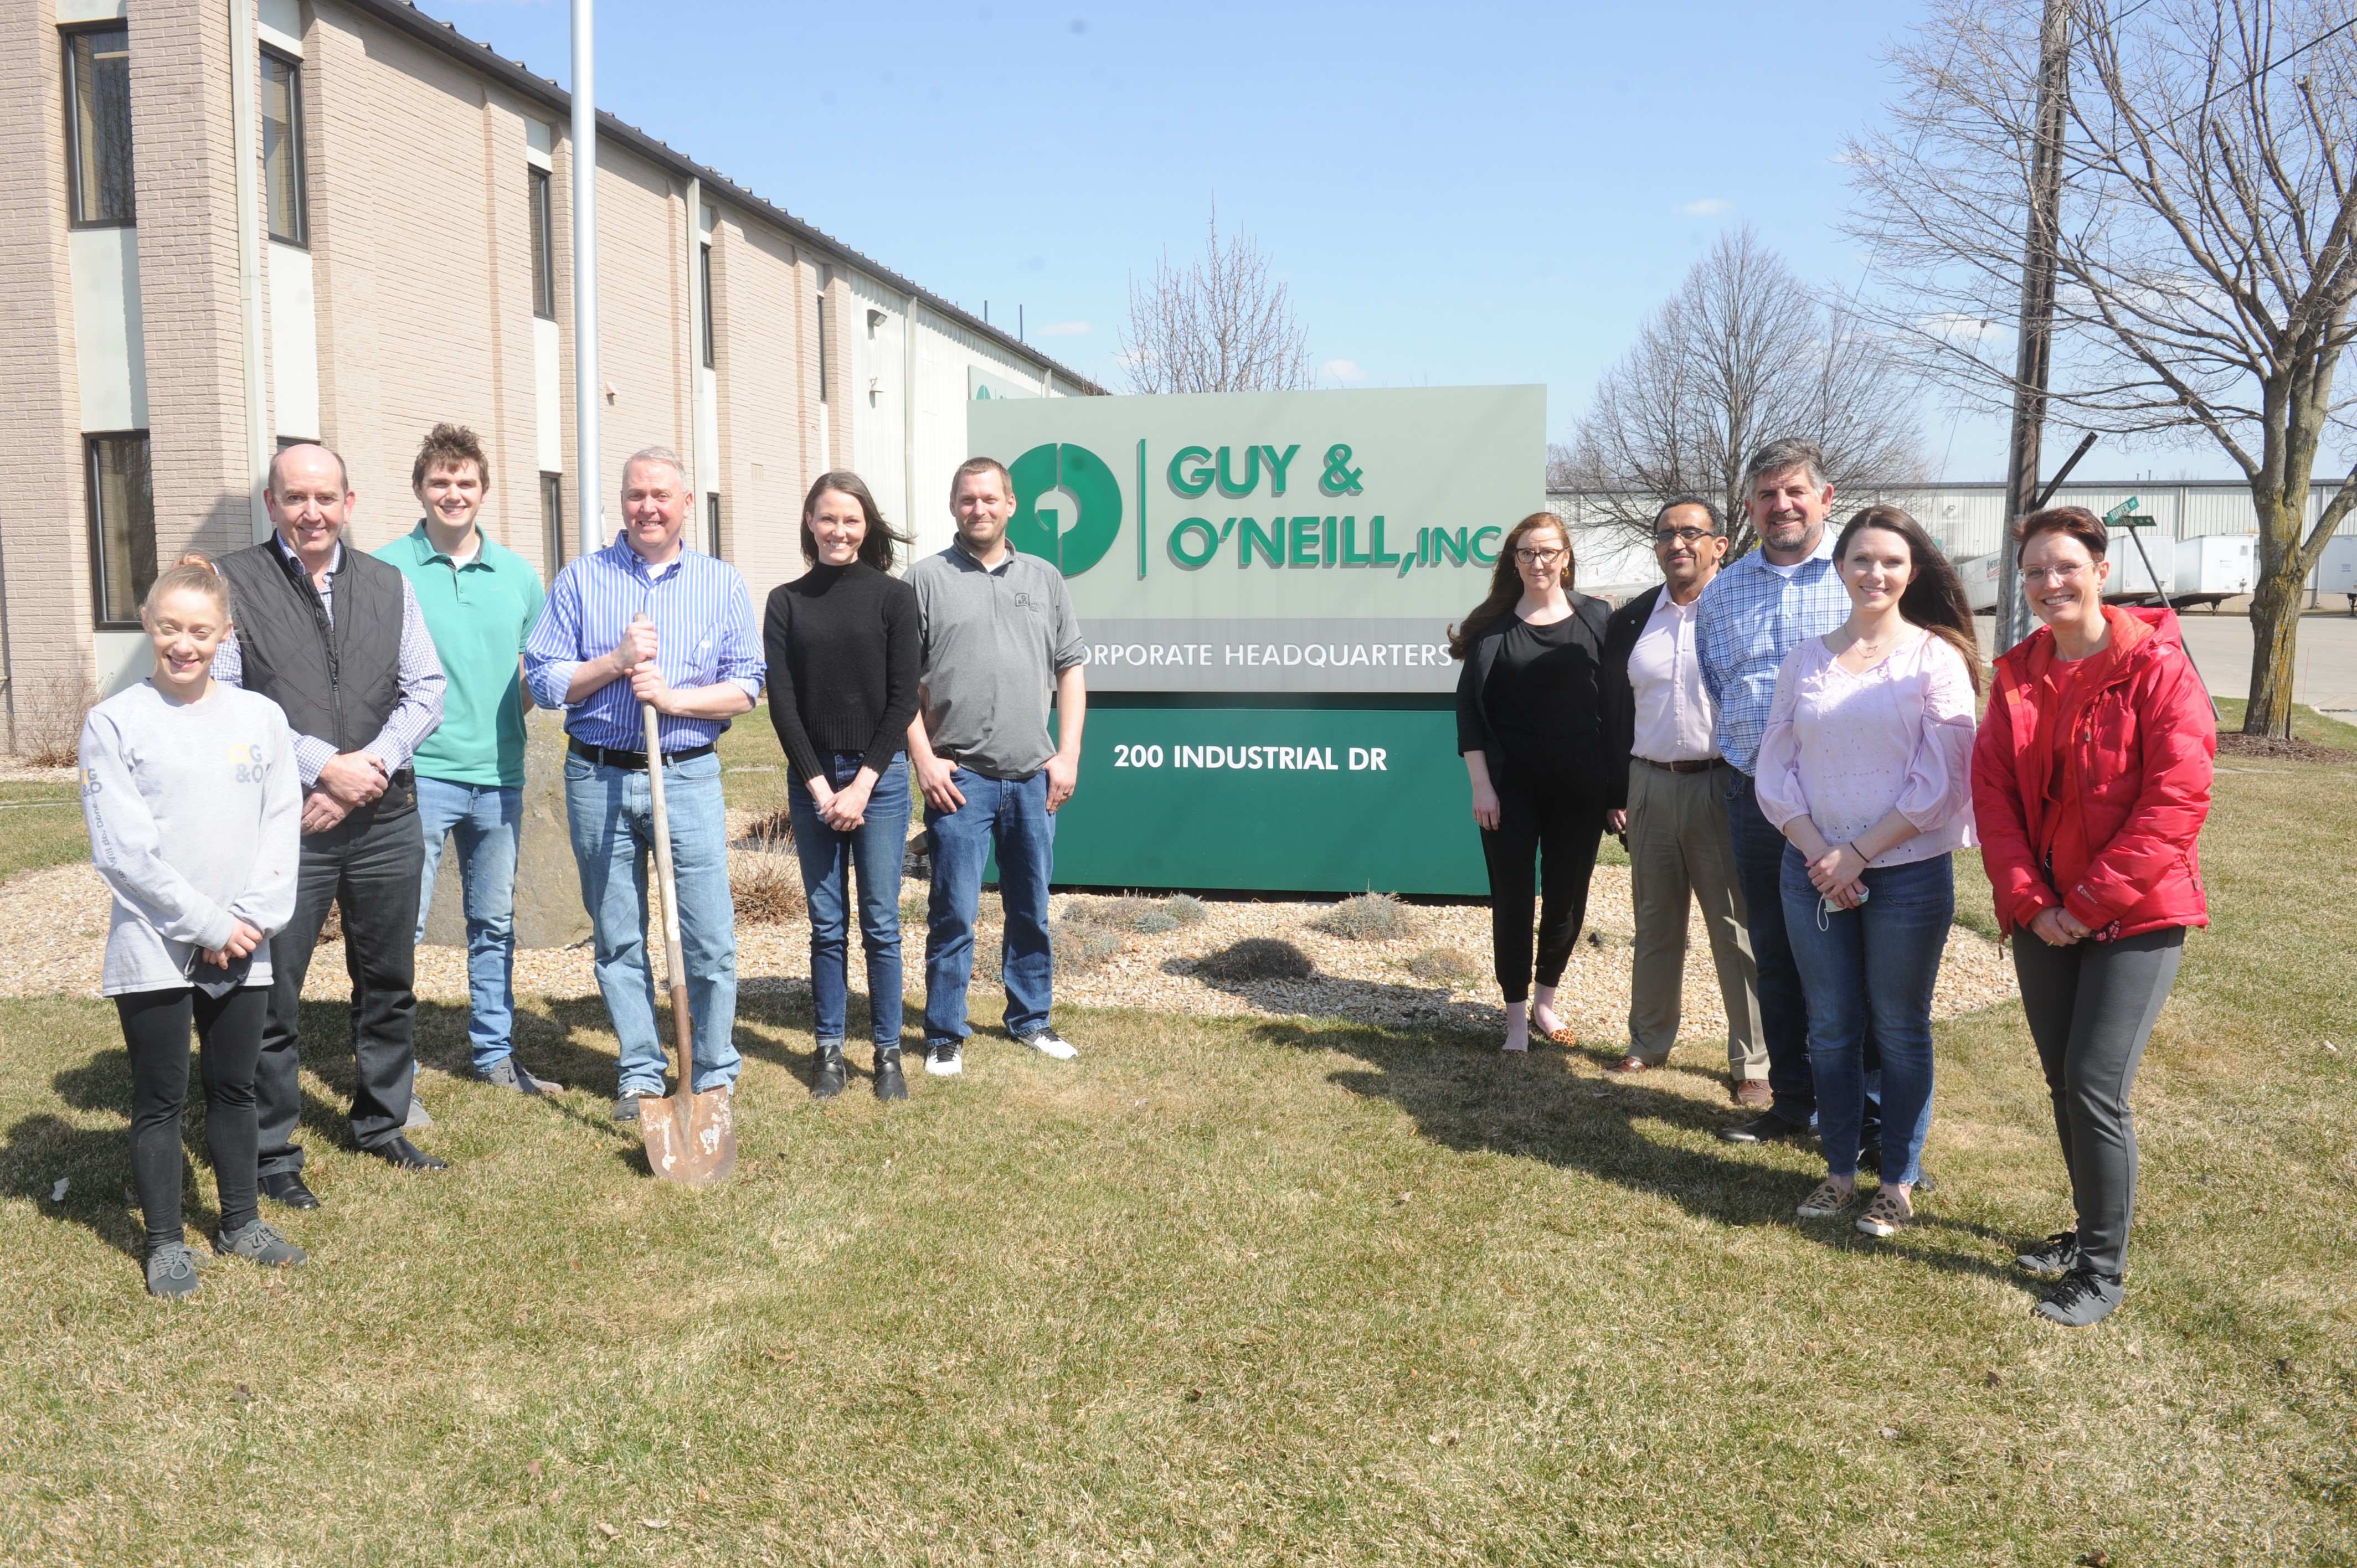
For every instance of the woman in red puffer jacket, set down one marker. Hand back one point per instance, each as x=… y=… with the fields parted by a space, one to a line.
x=2091 y=781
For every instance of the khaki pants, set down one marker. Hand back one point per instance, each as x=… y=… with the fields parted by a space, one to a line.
x=1679 y=848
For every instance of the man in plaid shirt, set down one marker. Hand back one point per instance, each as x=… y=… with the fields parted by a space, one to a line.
x=1753 y=614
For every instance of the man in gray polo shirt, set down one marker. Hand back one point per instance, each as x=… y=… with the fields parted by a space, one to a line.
x=1000 y=640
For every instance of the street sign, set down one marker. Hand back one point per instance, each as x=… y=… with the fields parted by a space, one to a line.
x=2124 y=516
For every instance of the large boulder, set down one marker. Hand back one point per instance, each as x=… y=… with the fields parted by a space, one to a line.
x=548 y=912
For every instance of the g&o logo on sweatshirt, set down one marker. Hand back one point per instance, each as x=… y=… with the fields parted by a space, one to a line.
x=1036 y=530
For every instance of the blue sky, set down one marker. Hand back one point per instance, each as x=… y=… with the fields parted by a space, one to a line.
x=1477 y=193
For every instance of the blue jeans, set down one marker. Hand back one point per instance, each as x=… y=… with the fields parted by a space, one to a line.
x=829 y=860
x=611 y=813
x=1760 y=851
x=1012 y=815
x=486 y=823
x=1869 y=970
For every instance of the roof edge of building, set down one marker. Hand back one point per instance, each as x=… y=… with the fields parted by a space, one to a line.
x=476 y=55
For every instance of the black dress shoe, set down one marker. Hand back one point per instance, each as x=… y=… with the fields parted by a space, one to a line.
x=1765 y=1129
x=832 y=1074
x=286 y=1188
x=400 y=1152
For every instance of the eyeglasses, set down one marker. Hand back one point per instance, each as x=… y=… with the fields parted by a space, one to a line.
x=1530 y=557
x=1681 y=535
x=2061 y=576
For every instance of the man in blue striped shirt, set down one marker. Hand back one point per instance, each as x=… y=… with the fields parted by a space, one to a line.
x=1753 y=615
x=696 y=658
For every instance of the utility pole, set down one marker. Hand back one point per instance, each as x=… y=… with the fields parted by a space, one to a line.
x=586 y=388
x=2034 y=354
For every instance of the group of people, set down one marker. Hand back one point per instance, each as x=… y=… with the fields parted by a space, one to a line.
x=1791 y=743
x=320 y=721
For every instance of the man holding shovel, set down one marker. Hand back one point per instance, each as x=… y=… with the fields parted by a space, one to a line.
x=647 y=621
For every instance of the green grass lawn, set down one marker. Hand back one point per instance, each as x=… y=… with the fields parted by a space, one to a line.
x=1224 y=1291
x=40 y=824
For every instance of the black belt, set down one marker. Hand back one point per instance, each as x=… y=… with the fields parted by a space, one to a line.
x=1703 y=765
x=634 y=762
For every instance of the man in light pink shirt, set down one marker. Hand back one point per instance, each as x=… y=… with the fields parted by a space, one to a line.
x=1671 y=802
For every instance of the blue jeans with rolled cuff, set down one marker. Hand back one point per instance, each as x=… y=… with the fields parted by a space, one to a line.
x=1011 y=815
x=873 y=853
x=1870 y=972
x=611 y=812
x=484 y=823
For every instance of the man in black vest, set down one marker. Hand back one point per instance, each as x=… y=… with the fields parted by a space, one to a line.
x=335 y=638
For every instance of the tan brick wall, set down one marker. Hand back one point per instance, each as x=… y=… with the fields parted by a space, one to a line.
x=641 y=316
x=44 y=549
x=189 y=299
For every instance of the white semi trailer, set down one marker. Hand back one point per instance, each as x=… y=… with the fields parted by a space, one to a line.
x=2202 y=571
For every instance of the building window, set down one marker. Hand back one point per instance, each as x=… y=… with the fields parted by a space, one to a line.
x=281 y=148
x=98 y=124
x=712 y=525
x=122 y=526
x=706 y=301
x=822 y=344
x=544 y=250
x=552 y=520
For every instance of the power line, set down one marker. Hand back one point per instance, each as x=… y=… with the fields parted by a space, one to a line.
x=2284 y=60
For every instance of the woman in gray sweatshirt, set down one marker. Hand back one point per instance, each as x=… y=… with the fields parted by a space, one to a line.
x=195 y=809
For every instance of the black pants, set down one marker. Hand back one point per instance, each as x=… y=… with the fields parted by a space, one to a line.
x=2092 y=1006
x=156 y=1031
x=1549 y=824
x=371 y=869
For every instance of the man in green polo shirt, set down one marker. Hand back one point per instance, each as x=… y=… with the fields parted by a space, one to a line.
x=480 y=600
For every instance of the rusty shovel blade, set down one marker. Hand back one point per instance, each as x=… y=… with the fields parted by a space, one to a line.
x=691 y=1138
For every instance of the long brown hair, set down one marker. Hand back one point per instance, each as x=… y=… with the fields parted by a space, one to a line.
x=1506 y=582
x=1934 y=598
x=875 y=544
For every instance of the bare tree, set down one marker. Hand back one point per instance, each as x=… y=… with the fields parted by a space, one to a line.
x=1744 y=354
x=2204 y=251
x=1217 y=325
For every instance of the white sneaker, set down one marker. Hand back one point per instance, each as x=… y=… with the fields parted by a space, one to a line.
x=1048 y=1043
x=945 y=1060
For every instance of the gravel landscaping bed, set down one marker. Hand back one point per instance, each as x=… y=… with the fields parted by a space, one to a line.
x=53 y=936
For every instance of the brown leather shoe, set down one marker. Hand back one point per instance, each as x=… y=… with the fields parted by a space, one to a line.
x=1752 y=1091
x=1630 y=1064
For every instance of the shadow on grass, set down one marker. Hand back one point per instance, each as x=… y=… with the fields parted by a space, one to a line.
x=1466 y=1096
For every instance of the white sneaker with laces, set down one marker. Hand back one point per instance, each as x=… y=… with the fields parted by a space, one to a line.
x=945 y=1060
x=1050 y=1044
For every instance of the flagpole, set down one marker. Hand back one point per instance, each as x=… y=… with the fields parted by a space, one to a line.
x=586 y=394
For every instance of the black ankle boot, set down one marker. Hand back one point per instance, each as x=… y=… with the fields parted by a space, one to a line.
x=889 y=1084
x=831 y=1076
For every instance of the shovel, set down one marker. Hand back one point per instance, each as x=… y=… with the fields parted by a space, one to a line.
x=691 y=1137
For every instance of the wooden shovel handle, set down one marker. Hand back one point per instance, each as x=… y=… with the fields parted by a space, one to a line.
x=682 y=1029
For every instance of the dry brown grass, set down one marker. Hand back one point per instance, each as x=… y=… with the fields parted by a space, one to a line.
x=767 y=890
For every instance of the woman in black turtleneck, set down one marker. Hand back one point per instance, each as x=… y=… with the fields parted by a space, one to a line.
x=844 y=654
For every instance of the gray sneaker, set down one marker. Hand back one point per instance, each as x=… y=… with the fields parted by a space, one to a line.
x=2083 y=1299
x=509 y=1073
x=2059 y=1254
x=172 y=1272
x=417 y=1117
x=626 y=1106
x=260 y=1242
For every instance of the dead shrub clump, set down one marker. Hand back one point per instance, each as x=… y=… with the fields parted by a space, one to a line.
x=1081 y=948
x=1256 y=958
x=1368 y=918
x=767 y=893
x=1186 y=908
x=772 y=834
x=49 y=721
x=1442 y=966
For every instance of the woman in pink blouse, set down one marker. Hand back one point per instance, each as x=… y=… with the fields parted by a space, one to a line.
x=1867 y=767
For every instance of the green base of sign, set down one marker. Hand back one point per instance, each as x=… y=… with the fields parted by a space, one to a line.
x=1301 y=798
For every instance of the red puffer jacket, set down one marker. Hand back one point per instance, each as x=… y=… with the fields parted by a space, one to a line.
x=2137 y=740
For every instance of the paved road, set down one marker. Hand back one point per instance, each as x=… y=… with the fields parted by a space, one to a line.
x=2325 y=677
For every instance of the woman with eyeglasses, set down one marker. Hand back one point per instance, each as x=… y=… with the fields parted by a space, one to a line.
x=1866 y=767
x=2091 y=781
x=1530 y=724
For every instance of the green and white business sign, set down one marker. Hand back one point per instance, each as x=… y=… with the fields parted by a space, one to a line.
x=1265 y=581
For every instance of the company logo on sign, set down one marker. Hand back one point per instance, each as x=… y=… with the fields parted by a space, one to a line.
x=1040 y=530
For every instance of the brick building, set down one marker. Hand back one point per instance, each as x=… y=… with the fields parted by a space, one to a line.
x=398 y=253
